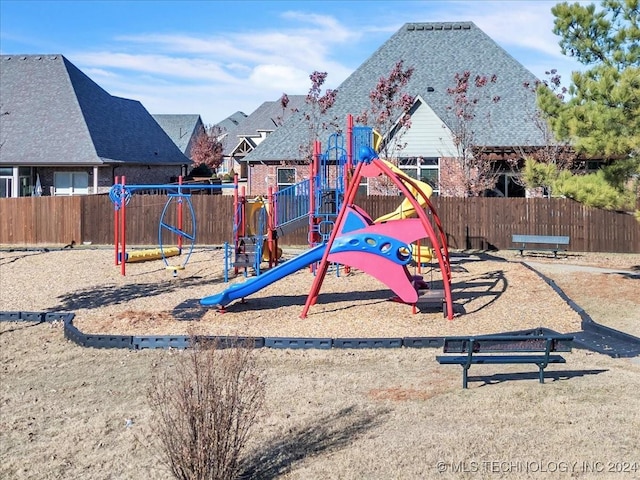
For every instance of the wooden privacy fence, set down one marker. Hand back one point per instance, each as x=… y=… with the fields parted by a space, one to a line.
x=470 y=223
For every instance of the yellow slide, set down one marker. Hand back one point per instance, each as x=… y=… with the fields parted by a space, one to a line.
x=406 y=210
x=253 y=215
x=252 y=212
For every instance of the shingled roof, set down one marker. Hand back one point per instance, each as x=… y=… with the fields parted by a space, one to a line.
x=266 y=118
x=182 y=129
x=436 y=51
x=53 y=114
x=232 y=121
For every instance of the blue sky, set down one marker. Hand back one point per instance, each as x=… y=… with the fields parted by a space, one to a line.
x=216 y=57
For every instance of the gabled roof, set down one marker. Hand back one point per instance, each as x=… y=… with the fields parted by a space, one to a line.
x=266 y=118
x=53 y=114
x=436 y=51
x=182 y=129
x=231 y=121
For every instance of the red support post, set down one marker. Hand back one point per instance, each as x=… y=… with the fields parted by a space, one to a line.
x=443 y=257
x=180 y=213
x=314 y=169
x=438 y=241
x=123 y=226
x=116 y=219
x=324 y=263
x=272 y=244
x=243 y=213
x=349 y=145
x=235 y=222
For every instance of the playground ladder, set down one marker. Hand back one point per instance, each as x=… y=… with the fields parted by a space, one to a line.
x=248 y=254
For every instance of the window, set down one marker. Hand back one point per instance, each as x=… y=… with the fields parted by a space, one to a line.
x=26 y=189
x=10 y=177
x=425 y=169
x=363 y=188
x=594 y=165
x=6 y=181
x=506 y=186
x=286 y=177
x=71 y=183
x=24 y=180
x=5 y=186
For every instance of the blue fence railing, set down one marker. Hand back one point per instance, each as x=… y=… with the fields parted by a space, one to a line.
x=292 y=203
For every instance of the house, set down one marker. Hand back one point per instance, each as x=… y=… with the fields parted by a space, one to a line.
x=231 y=121
x=437 y=52
x=225 y=129
x=183 y=129
x=63 y=133
x=243 y=137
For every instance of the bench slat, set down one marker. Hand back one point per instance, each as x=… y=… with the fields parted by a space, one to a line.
x=544 y=243
x=541 y=239
x=508 y=343
x=500 y=359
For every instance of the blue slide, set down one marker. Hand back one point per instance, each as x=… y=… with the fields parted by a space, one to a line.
x=252 y=285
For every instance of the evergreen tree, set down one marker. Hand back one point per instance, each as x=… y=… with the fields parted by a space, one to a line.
x=601 y=115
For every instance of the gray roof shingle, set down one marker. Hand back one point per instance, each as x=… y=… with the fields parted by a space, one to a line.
x=182 y=129
x=267 y=117
x=231 y=121
x=436 y=51
x=53 y=114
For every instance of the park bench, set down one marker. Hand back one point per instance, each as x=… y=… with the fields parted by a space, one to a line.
x=505 y=349
x=549 y=243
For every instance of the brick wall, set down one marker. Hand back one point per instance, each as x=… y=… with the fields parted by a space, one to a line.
x=134 y=174
x=141 y=175
x=264 y=176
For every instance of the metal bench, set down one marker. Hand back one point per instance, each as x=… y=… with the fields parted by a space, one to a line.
x=505 y=349
x=549 y=243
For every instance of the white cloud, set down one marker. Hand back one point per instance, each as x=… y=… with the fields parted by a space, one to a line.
x=187 y=68
x=230 y=68
x=284 y=78
x=98 y=73
x=529 y=26
x=329 y=27
x=238 y=70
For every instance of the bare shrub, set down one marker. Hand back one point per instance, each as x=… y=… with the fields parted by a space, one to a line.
x=204 y=408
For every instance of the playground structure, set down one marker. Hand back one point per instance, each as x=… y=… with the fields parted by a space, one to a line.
x=312 y=203
x=383 y=249
x=253 y=231
x=341 y=233
x=183 y=228
x=254 y=239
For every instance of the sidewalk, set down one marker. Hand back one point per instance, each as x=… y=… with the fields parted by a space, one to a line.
x=565 y=268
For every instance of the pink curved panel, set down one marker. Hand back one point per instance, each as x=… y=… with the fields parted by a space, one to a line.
x=393 y=275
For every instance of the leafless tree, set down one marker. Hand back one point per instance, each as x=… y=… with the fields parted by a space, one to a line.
x=468 y=171
x=389 y=114
x=204 y=409
x=208 y=148
x=552 y=151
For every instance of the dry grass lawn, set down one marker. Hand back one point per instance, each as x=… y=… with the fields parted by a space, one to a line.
x=349 y=414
